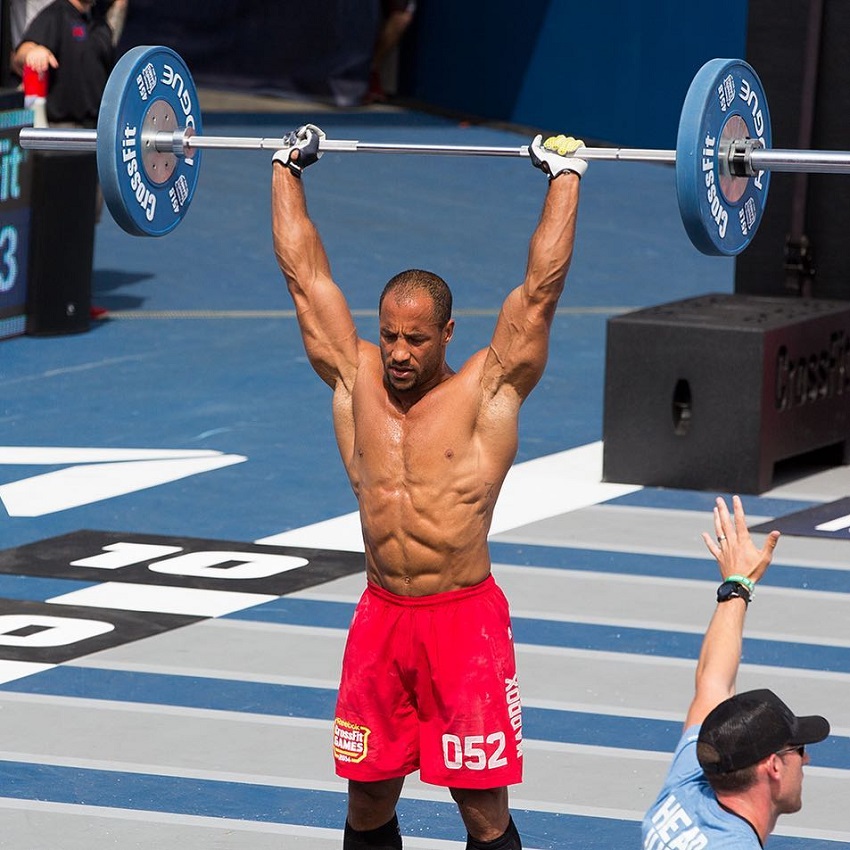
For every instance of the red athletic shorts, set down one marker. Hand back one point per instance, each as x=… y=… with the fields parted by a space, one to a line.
x=430 y=683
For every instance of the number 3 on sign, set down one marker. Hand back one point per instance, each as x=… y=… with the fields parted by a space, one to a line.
x=8 y=258
x=471 y=753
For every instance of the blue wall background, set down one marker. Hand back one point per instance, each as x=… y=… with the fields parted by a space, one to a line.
x=612 y=71
x=616 y=71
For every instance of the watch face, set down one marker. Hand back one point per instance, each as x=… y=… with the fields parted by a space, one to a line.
x=729 y=590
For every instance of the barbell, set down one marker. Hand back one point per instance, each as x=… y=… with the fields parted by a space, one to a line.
x=149 y=141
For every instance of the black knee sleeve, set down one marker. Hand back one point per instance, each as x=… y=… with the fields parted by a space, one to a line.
x=509 y=841
x=386 y=837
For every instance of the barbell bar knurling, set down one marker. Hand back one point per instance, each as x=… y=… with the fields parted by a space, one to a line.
x=86 y=140
x=759 y=159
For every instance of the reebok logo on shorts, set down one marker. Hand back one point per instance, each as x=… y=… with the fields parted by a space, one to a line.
x=351 y=742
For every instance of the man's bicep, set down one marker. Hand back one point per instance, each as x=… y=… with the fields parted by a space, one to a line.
x=328 y=331
x=520 y=344
x=333 y=359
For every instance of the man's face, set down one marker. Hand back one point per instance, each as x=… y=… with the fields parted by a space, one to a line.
x=413 y=345
x=790 y=791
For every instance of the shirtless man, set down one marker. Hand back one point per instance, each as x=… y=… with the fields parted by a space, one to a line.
x=429 y=677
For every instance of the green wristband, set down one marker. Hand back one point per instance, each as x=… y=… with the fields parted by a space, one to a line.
x=748 y=583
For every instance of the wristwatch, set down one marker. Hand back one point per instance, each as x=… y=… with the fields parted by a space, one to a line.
x=730 y=589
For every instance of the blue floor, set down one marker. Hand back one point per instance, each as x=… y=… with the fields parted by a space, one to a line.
x=203 y=353
x=241 y=385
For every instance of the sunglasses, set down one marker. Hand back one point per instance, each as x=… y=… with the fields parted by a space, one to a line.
x=800 y=749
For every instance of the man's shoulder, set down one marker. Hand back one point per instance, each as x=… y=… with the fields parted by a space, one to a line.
x=686 y=812
x=44 y=20
x=369 y=358
x=685 y=767
x=53 y=18
x=58 y=10
x=472 y=370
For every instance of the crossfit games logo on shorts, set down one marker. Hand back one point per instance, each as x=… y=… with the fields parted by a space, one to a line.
x=351 y=742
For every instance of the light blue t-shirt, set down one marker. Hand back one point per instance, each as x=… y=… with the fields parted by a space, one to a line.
x=687 y=816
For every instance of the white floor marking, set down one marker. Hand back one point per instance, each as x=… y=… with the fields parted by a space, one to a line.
x=193 y=602
x=12 y=670
x=218 y=825
x=839 y=524
x=534 y=490
x=97 y=474
x=59 y=455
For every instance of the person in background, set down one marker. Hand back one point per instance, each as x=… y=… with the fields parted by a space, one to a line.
x=116 y=17
x=22 y=12
x=75 y=46
x=397 y=15
x=739 y=764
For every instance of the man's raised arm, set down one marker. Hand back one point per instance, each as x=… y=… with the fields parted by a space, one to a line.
x=520 y=345
x=327 y=327
x=741 y=566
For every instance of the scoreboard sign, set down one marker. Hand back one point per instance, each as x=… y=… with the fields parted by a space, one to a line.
x=14 y=222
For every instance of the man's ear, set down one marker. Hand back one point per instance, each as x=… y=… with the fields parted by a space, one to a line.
x=450 y=329
x=772 y=766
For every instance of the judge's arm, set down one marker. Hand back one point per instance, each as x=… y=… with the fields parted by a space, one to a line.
x=720 y=654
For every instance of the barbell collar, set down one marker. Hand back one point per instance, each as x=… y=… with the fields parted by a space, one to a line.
x=179 y=143
x=739 y=157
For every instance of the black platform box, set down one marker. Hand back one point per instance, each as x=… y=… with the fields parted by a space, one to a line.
x=711 y=392
x=62 y=227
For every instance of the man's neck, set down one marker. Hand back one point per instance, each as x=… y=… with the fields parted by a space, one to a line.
x=404 y=400
x=753 y=807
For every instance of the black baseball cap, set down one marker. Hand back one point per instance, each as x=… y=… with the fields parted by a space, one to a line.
x=748 y=727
